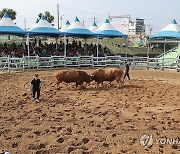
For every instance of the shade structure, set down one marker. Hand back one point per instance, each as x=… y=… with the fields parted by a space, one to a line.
x=43 y=27
x=65 y=27
x=94 y=27
x=107 y=30
x=7 y=26
x=170 y=31
x=77 y=29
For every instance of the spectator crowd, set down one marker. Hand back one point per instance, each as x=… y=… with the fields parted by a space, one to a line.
x=73 y=49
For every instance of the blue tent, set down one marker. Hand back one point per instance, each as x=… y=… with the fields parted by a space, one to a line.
x=94 y=27
x=65 y=27
x=170 y=31
x=77 y=29
x=34 y=25
x=43 y=27
x=7 y=26
x=107 y=30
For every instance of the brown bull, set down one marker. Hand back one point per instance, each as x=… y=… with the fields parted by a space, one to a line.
x=69 y=76
x=108 y=74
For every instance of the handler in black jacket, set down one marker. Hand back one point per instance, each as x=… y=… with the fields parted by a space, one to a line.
x=126 y=70
x=36 y=87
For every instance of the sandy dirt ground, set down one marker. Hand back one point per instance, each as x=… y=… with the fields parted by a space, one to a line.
x=103 y=120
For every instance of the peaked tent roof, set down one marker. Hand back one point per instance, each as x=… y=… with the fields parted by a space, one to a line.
x=94 y=27
x=34 y=24
x=107 y=30
x=7 y=26
x=170 y=31
x=65 y=27
x=43 y=27
x=77 y=29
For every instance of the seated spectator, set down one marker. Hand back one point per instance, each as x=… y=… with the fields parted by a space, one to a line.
x=73 y=49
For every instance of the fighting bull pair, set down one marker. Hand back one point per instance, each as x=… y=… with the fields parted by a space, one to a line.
x=98 y=75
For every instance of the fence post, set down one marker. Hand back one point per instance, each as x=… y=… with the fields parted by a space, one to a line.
x=148 y=63
x=133 y=62
x=37 y=62
x=163 y=65
x=178 y=64
x=79 y=61
x=92 y=61
x=9 y=60
x=52 y=62
x=119 y=58
x=23 y=62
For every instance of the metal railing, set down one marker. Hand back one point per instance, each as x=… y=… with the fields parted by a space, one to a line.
x=178 y=65
x=169 y=51
x=10 y=63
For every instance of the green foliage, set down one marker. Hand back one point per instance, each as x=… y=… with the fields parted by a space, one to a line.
x=48 y=16
x=12 y=13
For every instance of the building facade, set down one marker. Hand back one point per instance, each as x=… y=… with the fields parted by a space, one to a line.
x=131 y=28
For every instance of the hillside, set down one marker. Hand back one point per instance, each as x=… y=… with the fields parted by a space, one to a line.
x=119 y=49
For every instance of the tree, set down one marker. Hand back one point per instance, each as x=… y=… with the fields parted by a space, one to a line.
x=12 y=13
x=48 y=16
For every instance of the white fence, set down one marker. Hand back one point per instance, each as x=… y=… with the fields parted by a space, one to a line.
x=8 y=63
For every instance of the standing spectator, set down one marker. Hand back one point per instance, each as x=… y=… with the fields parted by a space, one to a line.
x=152 y=47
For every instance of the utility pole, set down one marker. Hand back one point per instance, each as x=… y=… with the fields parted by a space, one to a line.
x=61 y=17
x=58 y=15
x=150 y=29
x=24 y=44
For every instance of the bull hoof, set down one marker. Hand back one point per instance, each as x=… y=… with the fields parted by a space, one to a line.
x=119 y=87
x=83 y=87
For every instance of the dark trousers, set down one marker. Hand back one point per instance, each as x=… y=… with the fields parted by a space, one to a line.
x=126 y=74
x=36 y=91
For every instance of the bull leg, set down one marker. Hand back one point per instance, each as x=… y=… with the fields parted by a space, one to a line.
x=79 y=84
x=57 y=83
x=76 y=85
x=99 y=84
x=119 y=82
x=102 y=84
x=86 y=84
x=82 y=86
x=110 y=84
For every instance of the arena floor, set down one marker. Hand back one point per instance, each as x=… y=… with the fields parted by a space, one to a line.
x=91 y=120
